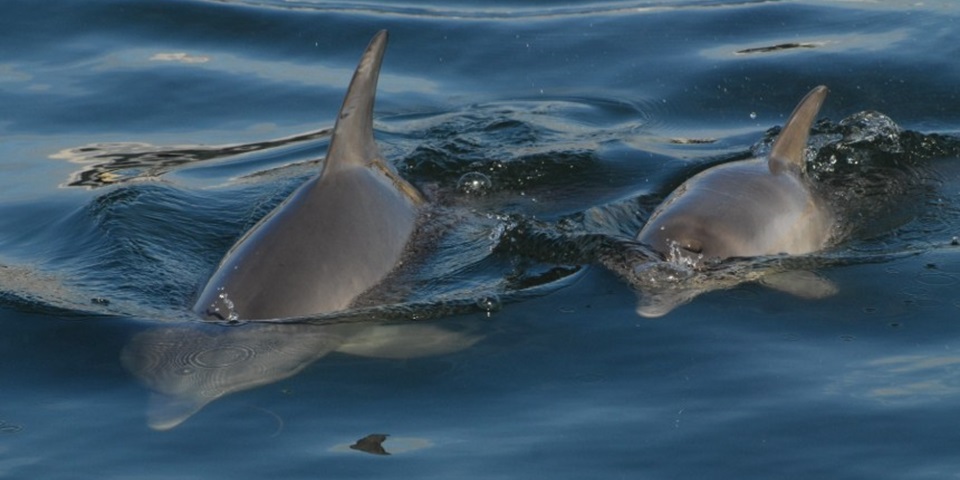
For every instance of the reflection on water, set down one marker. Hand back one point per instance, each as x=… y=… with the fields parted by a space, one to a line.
x=372 y=444
x=383 y=444
x=9 y=427
x=779 y=47
x=179 y=57
x=836 y=43
x=111 y=163
x=190 y=365
x=902 y=379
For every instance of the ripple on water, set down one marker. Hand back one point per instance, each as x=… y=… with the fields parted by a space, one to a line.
x=937 y=279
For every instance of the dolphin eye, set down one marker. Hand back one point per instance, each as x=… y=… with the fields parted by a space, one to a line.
x=692 y=246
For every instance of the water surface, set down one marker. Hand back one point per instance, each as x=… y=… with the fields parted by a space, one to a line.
x=139 y=140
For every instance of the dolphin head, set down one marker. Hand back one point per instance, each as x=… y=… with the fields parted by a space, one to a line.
x=749 y=208
x=187 y=367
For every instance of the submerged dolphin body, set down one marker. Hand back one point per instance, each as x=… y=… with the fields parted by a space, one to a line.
x=334 y=238
x=188 y=366
x=749 y=208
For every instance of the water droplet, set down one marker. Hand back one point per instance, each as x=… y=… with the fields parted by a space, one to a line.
x=474 y=183
x=753 y=115
x=223 y=308
x=489 y=304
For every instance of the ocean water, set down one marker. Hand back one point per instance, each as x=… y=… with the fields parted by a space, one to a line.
x=140 y=139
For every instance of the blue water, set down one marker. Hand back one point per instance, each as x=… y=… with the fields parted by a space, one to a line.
x=139 y=140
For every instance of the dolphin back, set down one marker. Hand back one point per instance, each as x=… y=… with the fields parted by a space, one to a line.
x=337 y=236
x=787 y=150
x=747 y=208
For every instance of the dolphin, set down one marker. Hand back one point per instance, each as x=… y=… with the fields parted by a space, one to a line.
x=188 y=366
x=749 y=208
x=334 y=238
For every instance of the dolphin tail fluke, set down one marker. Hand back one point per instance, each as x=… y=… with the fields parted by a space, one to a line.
x=352 y=140
x=787 y=150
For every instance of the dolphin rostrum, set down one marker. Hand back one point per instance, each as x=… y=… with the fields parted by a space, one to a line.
x=749 y=208
x=337 y=236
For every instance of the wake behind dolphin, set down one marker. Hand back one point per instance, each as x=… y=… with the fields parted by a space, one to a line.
x=336 y=237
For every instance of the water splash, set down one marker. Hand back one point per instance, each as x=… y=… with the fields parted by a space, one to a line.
x=223 y=308
x=680 y=256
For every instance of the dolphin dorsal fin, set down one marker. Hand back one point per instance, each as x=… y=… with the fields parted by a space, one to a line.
x=787 y=150
x=352 y=143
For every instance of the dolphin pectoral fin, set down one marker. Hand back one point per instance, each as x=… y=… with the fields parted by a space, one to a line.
x=167 y=411
x=658 y=304
x=352 y=143
x=787 y=150
x=800 y=283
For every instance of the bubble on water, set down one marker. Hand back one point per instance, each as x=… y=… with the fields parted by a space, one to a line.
x=474 y=183
x=489 y=304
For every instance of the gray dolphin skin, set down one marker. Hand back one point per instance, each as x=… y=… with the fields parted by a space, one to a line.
x=188 y=366
x=334 y=238
x=748 y=208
